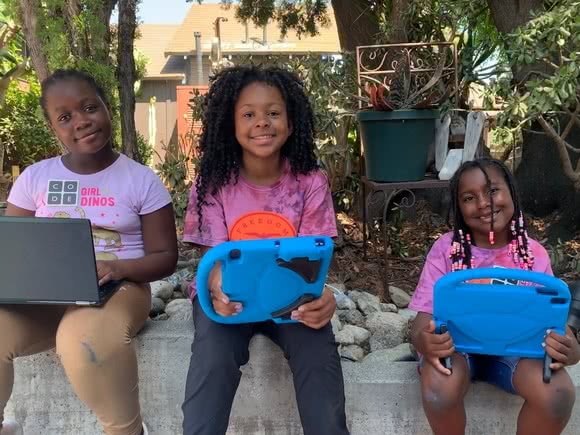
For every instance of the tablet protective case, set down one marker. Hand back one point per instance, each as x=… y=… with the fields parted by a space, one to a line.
x=499 y=319
x=270 y=277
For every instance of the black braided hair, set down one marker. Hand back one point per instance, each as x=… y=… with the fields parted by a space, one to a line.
x=221 y=153
x=460 y=253
x=69 y=74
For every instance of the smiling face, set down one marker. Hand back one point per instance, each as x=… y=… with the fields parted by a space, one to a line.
x=78 y=116
x=261 y=121
x=474 y=197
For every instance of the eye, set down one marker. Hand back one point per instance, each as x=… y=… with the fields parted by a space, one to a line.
x=493 y=191
x=248 y=115
x=90 y=108
x=63 y=118
x=467 y=198
x=274 y=113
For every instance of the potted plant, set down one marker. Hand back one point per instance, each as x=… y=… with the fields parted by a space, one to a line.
x=398 y=126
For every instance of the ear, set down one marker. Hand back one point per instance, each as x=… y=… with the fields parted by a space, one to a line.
x=290 y=128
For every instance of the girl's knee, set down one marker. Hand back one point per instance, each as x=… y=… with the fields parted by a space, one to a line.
x=441 y=397
x=89 y=343
x=442 y=393
x=558 y=400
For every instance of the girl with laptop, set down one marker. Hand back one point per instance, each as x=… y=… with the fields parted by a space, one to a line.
x=135 y=243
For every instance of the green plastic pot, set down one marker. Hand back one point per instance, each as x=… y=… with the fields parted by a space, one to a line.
x=396 y=143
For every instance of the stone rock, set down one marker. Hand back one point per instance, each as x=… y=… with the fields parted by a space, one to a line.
x=366 y=302
x=341 y=314
x=387 y=330
x=399 y=296
x=162 y=316
x=162 y=290
x=179 y=309
x=177 y=295
x=408 y=314
x=184 y=287
x=351 y=353
x=179 y=276
x=354 y=317
x=336 y=324
x=402 y=352
x=351 y=334
x=343 y=302
x=157 y=306
x=389 y=308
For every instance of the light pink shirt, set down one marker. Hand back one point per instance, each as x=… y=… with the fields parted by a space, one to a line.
x=114 y=200
x=438 y=264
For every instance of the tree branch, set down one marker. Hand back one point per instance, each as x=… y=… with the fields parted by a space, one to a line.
x=29 y=10
x=573 y=117
x=563 y=147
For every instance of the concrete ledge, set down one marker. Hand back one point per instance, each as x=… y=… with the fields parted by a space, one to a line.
x=381 y=398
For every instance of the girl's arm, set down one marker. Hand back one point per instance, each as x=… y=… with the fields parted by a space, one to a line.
x=12 y=210
x=160 y=242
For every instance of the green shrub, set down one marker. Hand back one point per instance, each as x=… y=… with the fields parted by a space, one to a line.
x=23 y=130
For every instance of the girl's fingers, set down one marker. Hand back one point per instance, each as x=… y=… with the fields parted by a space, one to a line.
x=557 y=356
x=559 y=345
x=557 y=366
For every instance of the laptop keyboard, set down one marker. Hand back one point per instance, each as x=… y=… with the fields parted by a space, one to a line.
x=107 y=288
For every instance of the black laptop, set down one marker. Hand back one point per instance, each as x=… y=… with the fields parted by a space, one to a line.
x=49 y=261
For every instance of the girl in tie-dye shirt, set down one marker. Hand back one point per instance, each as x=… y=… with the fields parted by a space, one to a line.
x=259 y=179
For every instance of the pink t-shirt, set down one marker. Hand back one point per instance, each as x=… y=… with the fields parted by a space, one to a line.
x=296 y=205
x=438 y=264
x=113 y=199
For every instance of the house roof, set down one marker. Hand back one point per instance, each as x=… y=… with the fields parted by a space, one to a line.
x=200 y=18
x=152 y=42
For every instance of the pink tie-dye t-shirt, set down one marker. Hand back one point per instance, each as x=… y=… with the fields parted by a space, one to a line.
x=438 y=264
x=295 y=205
x=114 y=200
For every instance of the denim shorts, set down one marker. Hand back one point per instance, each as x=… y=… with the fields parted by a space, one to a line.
x=494 y=370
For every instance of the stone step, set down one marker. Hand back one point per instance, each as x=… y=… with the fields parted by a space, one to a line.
x=382 y=398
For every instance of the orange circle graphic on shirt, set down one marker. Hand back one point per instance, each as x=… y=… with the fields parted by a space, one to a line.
x=261 y=225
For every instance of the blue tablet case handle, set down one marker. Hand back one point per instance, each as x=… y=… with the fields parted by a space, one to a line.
x=269 y=277
x=500 y=319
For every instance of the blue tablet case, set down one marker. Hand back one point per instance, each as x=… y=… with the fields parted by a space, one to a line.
x=500 y=319
x=270 y=277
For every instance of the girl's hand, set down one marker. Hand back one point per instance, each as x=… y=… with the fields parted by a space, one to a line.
x=317 y=313
x=221 y=303
x=434 y=347
x=109 y=271
x=564 y=349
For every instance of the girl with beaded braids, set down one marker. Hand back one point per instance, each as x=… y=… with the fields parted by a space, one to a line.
x=489 y=230
x=258 y=178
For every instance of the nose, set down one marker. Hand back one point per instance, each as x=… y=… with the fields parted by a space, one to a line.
x=262 y=121
x=483 y=201
x=81 y=122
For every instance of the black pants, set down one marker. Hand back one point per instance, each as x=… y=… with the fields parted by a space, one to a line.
x=219 y=350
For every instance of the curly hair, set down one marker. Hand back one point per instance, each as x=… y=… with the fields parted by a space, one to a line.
x=221 y=153
x=460 y=251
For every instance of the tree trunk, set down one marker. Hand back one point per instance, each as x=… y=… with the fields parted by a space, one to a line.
x=398 y=21
x=77 y=40
x=544 y=187
x=100 y=46
x=126 y=76
x=29 y=16
x=509 y=14
x=356 y=23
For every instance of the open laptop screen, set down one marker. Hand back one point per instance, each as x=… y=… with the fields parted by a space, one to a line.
x=47 y=260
